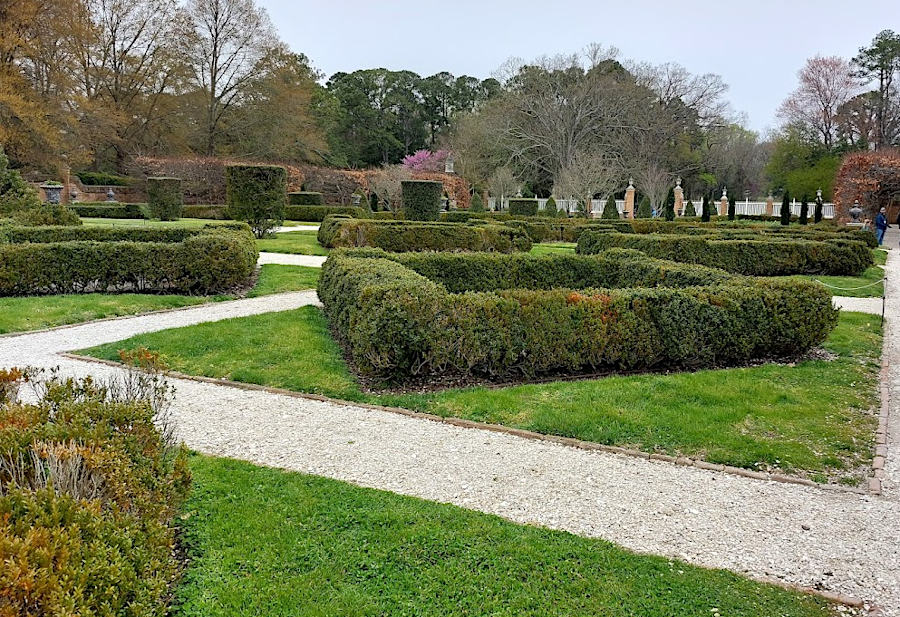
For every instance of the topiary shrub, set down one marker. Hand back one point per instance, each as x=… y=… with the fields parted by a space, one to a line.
x=817 y=217
x=689 y=209
x=550 y=208
x=256 y=194
x=15 y=193
x=706 y=214
x=804 y=211
x=669 y=208
x=99 y=178
x=610 y=209
x=785 y=213
x=47 y=214
x=317 y=214
x=645 y=209
x=732 y=208
x=113 y=211
x=520 y=206
x=477 y=204
x=164 y=198
x=206 y=211
x=306 y=198
x=421 y=200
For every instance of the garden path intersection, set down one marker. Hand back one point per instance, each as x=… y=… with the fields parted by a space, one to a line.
x=832 y=540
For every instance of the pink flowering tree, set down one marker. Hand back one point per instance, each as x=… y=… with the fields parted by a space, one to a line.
x=425 y=160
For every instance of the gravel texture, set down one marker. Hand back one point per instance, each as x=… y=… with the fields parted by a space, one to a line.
x=310 y=227
x=832 y=540
x=859 y=305
x=312 y=261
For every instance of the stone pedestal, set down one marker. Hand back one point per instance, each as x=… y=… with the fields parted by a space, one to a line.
x=679 y=198
x=770 y=206
x=629 y=200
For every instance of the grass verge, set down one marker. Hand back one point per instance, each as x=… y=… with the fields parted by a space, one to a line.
x=38 y=312
x=854 y=286
x=102 y=222
x=267 y=542
x=548 y=248
x=293 y=242
x=811 y=419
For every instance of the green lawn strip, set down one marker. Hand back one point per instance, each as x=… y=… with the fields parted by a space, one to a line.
x=854 y=286
x=810 y=419
x=548 y=248
x=268 y=542
x=101 y=222
x=294 y=242
x=880 y=256
x=37 y=312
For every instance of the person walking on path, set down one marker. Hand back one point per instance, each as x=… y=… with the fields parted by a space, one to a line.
x=881 y=225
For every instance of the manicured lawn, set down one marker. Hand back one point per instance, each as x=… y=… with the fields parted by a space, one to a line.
x=854 y=286
x=547 y=248
x=97 y=222
x=294 y=242
x=37 y=312
x=811 y=419
x=267 y=542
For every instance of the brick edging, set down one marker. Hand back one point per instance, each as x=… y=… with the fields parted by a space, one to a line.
x=878 y=461
x=496 y=428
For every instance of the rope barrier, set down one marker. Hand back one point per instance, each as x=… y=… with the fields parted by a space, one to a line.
x=850 y=288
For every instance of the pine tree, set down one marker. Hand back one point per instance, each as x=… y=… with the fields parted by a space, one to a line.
x=732 y=208
x=645 y=210
x=610 y=211
x=689 y=209
x=804 y=211
x=669 y=209
x=786 y=209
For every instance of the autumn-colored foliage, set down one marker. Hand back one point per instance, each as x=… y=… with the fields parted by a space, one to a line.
x=873 y=178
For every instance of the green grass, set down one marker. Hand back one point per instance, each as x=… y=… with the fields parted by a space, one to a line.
x=294 y=242
x=810 y=419
x=38 y=312
x=101 y=222
x=266 y=542
x=547 y=248
x=880 y=256
x=854 y=286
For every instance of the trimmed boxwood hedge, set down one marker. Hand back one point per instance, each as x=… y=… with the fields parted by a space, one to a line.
x=756 y=257
x=317 y=214
x=56 y=260
x=421 y=199
x=404 y=236
x=622 y=310
x=523 y=207
x=164 y=198
x=207 y=211
x=306 y=198
x=109 y=211
x=257 y=195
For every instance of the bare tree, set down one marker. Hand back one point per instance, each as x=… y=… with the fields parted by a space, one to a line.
x=387 y=183
x=653 y=180
x=503 y=184
x=826 y=83
x=705 y=94
x=229 y=38
x=588 y=174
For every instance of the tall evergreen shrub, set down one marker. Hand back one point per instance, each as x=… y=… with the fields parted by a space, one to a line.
x=422 y=200
x=817 y=217
x=669 y=208
x=786 y=208
x=610 y=211
x=732 y=208
x=477 y=204
x=257 y=195
x=804 y=210
x=645 y=209
x=707 y=208
x=164 y=198
x=689 y=209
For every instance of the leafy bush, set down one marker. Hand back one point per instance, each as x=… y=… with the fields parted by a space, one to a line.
x=645 y=210
x=523 y=207
x=46 y=214
x=306 y=198
x=317 y=214
x=15 y=193
x=89 y=487
x=57 y=260
x=398 y=324
x=164 y=198
x=610 y=209
x=421 y=200
x=550 y=208
x=99 y=178
x=111 y=211
x=477 y=203
x=754 y=257
x=403 y=236
x=211 y=212
x=256 y=194
x=689 y=210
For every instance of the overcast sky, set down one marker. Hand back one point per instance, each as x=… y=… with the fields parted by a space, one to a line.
x=757 y=46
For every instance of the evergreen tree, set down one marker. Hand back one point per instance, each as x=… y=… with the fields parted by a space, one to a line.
x=669 y=209
x=732 y=208
x=689 y=209
x=786 y=208
x=550 y=207
x=610 y=211
x=373 y=201
x=817 y=217
x=707 y=208
x=804 y=211
x=645 y=210
x=477 y=204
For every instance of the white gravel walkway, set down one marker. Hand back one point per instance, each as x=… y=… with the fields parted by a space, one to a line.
x=833 y=540
x=286 y=259
x=859 y=305
x=286 y=229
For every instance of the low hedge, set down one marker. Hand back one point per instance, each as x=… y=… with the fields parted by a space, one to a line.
x=317 y=214
x=756 y=257
x=523 y=207
x=404 y=236
x=306 y=198
x=57 y=260
x=110 y=211
x=398 y=324
x=208 y=211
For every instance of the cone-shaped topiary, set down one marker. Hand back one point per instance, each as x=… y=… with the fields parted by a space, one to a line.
x=732 y=208
x=610 y=210
x=373 y=201
x=707 y=208
x=477 y=204
x=645 y=209
x=550 y=207
x=669 y=208
x=804 y=211
x=817 y=217
x=786 y=209
x=689 y=209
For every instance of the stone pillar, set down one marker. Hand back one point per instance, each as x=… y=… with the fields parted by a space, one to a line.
x=629 y=199
x=770 y=205
x=723 y=203
x=679 y=198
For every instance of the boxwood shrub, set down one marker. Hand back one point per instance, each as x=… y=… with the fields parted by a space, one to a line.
x=305 y=198
x=56 y=260
x=523 y=207
x=421 y=199
x=208 y=211
x=164 y=198
x=109 y=211
x=403 y=236
x=620 y=310
x=317 y=214
x=757 y=257
x=257 y=195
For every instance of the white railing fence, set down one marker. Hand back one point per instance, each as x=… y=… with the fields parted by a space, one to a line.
x=746 y=207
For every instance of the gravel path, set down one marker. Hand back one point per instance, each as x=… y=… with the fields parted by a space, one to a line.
x=312 y=261
x=837 y=541
x=310 y=227
x=859 y=305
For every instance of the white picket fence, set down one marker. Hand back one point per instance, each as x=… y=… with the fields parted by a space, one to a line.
x=741 y=207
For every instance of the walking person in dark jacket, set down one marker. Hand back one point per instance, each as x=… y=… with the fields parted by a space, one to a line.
x=881 y=225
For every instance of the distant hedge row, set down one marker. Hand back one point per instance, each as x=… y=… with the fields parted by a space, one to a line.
x=621 y=310
x=753 y=257
x=110 y=210
x=57 y=260
x=403 y=236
